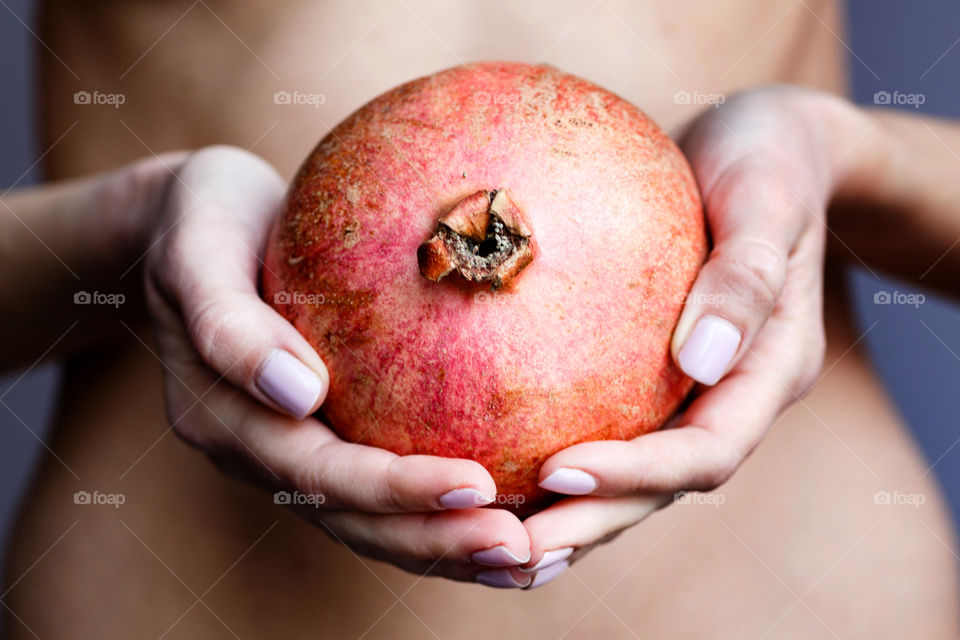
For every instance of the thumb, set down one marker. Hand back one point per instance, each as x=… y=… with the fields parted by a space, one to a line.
x=219 y=214
x=755 y=220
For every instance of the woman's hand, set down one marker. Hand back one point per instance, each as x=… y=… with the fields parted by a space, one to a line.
x=241 y=382
x=751 y=333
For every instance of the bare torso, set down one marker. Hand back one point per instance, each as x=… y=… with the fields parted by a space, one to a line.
x=797 y=549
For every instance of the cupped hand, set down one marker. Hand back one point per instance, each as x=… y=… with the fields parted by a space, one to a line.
x=751 y=332
x=240 y=384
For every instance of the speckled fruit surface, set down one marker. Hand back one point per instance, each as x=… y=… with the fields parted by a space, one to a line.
x=575 y=347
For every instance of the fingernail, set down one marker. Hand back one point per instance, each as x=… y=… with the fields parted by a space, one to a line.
x=549 y=574
x=289 y=383
x=501 y=579
x=709 y=349
x=549 y=559
x=498 y=556
x=465 y=498
x=570 y=481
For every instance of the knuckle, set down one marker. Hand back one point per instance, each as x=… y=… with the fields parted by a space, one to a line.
x=755 y=273
x=167 y=263
x=309 y=476
x=725 y=460
x=391 y=493
x=809 y=370
x=188 y=427
x=183 y=416
x=210 y=325
x=305 y=479
x=432 y=543
x=192 y=437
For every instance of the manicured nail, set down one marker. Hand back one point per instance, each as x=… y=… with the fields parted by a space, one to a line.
x=549 y=559
x=465 y=498
x=501 y=579
x=498 y=556
x=289 y=383
x=549 y=574
x=570 y=481
x=709 y=349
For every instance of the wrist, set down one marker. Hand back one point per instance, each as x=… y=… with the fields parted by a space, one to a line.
x=133 y=200
x=854 y=151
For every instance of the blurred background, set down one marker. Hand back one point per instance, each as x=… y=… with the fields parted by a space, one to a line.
x=894 y=46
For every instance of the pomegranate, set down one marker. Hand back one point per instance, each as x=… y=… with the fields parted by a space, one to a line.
x=491 y=261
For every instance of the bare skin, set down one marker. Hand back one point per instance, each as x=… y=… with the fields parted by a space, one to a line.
x=798 y=548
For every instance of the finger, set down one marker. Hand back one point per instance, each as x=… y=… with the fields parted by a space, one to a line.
x=303 y=455
x=721 y=426
x=563 y=531
x=756 y=219
x=308 y=458
x=446 y=543
x=222 y=205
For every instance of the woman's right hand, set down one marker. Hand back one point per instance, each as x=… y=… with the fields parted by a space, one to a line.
x=241 y=384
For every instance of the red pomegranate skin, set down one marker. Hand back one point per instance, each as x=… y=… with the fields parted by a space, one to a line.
x=575 y=348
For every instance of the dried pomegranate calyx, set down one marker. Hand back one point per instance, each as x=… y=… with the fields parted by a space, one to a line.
x=483 y=237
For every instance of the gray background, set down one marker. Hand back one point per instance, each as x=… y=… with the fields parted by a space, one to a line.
x=896 y=41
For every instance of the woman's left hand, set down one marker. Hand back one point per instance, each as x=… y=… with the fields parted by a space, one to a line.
x=751 y=333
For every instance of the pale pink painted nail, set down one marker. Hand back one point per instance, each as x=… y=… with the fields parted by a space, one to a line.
x=549 y=559
x=465 y=498
x=573 y=482
x=549 y=574
x=709 y=350
x=289 y=383
x=498 y=556
x=501 y=579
